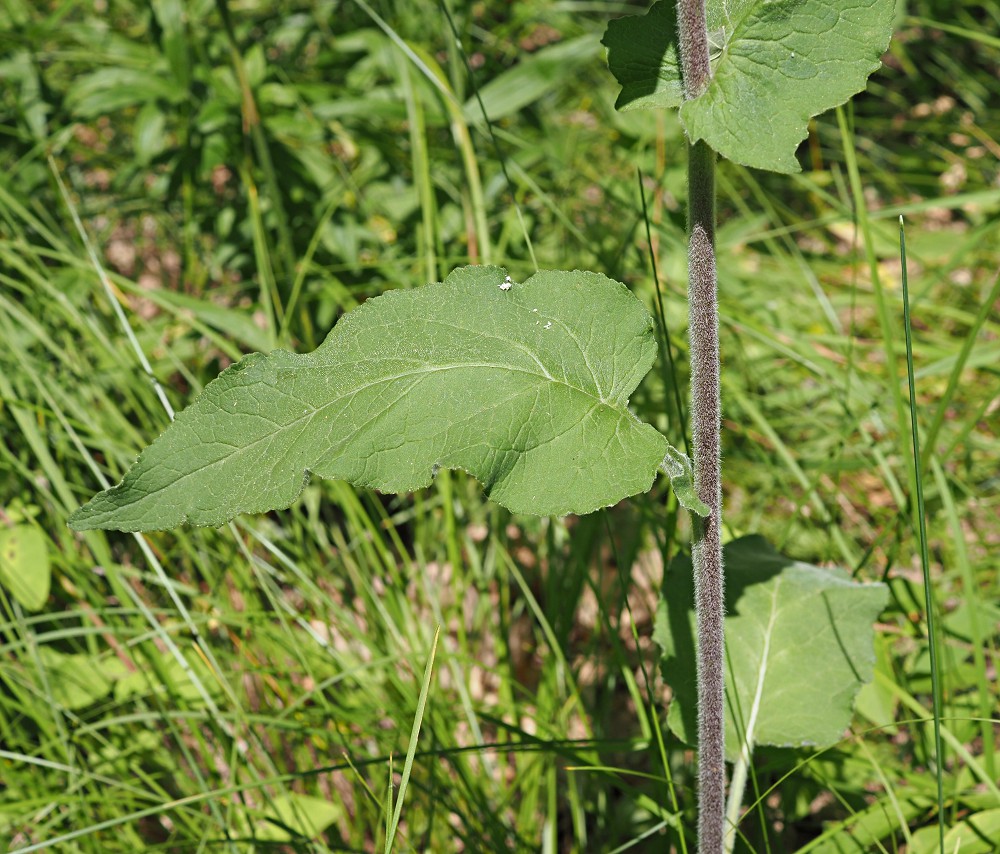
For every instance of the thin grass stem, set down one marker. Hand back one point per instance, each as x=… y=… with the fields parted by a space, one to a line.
x=414 y=736
x=924 y=556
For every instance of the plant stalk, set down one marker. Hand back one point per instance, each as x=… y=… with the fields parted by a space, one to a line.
x=706 y=422
x=706 y=552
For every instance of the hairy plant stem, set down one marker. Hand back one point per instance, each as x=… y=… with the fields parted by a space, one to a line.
x=706 y=419
x=706 y=553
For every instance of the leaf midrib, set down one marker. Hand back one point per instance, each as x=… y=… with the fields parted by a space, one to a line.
x=239 y=449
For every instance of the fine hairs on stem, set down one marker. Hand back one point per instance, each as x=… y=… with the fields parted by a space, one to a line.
x=706 y=417
x=707 y=547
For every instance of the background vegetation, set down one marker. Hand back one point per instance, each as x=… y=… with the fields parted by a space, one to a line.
x=219 y=177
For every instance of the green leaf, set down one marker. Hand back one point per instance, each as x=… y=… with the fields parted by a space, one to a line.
x=776 y=63
x=236 y=323
x=301 y=815
x=109 y=89
x=539 y=73
x=678 y=468
x=149 y=133
x=76 y=680
x=526 y=387
x=877 y=701
x=864 y=829
x=644 y=58
x=169 y=681
x=24 y=565
x=173 y=38
x=975 y=834
x=799 y=646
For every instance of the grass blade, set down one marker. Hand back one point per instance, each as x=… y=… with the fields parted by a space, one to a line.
x=924 y=557
x=412 y=748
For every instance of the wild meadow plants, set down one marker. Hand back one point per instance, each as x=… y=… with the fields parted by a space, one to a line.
x=436 y=670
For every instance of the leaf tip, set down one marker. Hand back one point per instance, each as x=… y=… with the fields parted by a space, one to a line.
x=677 y=467
x=81 y=518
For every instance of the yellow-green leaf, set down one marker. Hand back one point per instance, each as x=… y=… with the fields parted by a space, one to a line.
x=24 y=565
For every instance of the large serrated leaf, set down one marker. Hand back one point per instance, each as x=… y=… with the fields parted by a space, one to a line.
x=799 y=646
x=526 y=387
x=776 y=63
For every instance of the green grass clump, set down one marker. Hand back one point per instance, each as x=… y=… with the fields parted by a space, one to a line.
x=186 y=182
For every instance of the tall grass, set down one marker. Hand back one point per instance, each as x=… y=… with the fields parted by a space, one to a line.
x=256 y=687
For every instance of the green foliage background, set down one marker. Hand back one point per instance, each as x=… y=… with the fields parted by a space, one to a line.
x=246 y=173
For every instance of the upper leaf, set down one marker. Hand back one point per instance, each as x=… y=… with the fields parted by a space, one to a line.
x=799 y=645
x=645 y=59
x=525 y=387
x=776 y=63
